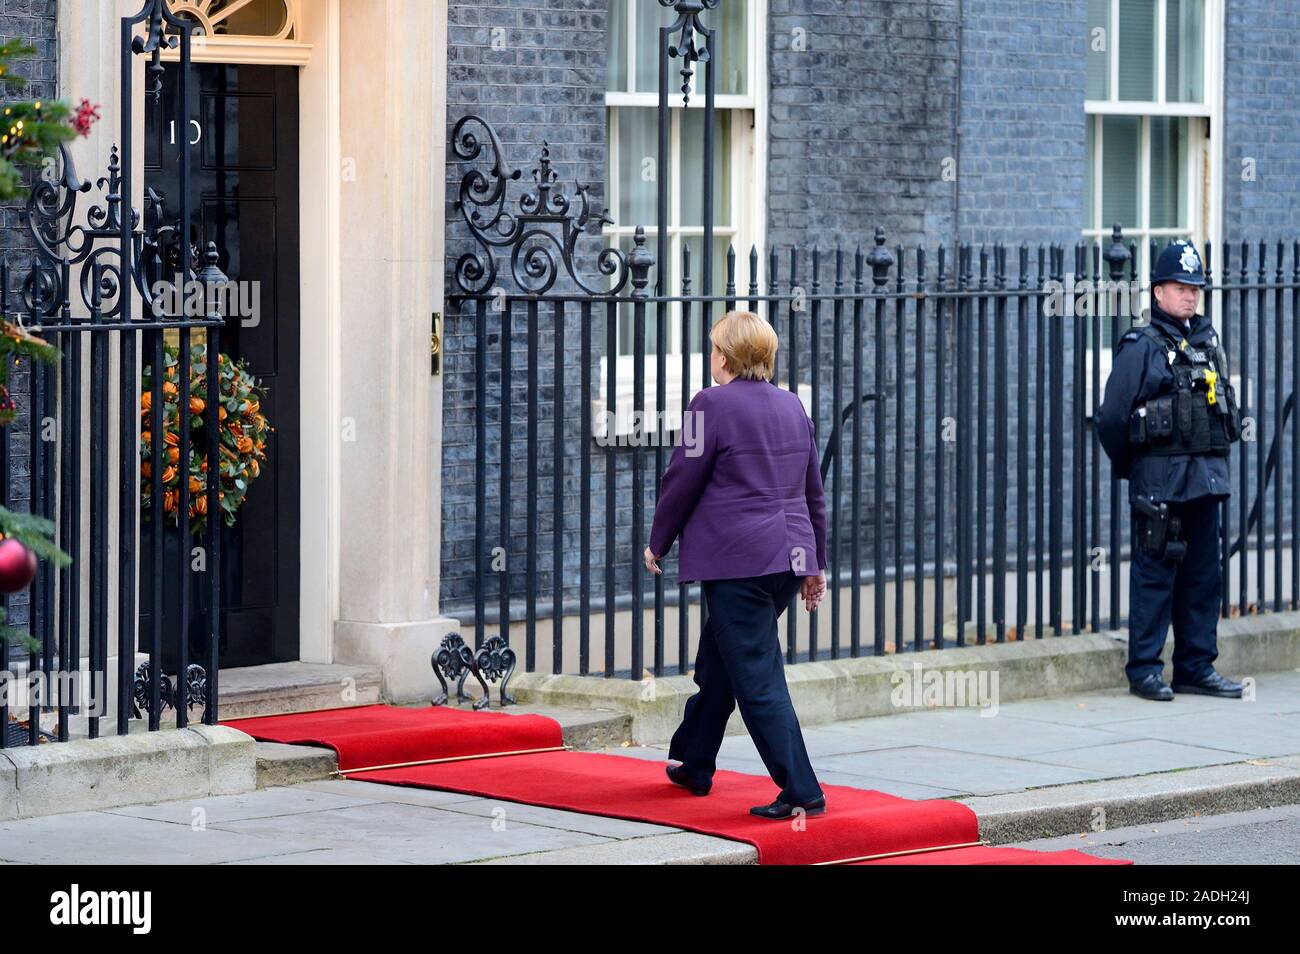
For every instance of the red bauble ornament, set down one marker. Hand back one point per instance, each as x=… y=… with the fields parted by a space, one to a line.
x=17 y=566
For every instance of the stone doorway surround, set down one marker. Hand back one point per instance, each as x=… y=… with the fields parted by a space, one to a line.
x=373 y=95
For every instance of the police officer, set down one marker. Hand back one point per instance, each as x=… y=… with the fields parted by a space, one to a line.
x=1166 y=422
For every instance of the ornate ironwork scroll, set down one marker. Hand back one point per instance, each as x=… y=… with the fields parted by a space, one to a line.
x=494 y=661
x=98 y=246
x=63 y=243
x=689 y=25
x=454 y=660
x=544 y=226
x=196 y=689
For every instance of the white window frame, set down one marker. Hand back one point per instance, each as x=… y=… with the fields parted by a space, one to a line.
x=1205 y=191
x=748 y=204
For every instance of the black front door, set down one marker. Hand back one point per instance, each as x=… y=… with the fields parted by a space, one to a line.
x=244 y=197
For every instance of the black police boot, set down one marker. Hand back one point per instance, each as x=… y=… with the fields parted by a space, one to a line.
x=677 y=775
x=1152 y=687
x=780 y=809
x=1212 y=685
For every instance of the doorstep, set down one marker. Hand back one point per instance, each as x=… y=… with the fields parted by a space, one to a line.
x=582 y=729
x=277 y=688
x=271 y=689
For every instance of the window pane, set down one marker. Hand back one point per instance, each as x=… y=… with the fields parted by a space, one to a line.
x=637 y=149
x=258 y=18
x=1137 y=49
x=1089 y=197
x=732 y=64
x=730 y=22
x=1184 y=48
x=1120 y=179
x=692 y=168
x=1168 y=172
x=616 y=37
x=1099 y=46
x=649 y=18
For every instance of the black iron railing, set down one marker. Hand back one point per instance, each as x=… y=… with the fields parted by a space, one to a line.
x=92 y=288
x=952 y=391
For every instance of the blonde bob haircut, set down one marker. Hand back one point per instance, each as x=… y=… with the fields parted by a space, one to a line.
x=748 y=343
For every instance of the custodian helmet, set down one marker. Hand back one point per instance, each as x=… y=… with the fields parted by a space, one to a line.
x=1179 y=263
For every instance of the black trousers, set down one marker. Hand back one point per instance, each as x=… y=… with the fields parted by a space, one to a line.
x=739 y=662
x=1185 y=592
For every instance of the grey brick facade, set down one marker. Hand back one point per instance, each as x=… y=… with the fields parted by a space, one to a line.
x=872 y=107
x=1261 y=155
x=1023 y=77
x=536 y=71
x=862 y=117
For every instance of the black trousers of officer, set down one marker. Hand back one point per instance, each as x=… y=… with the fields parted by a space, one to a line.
x=739 y=662
x=1185 y=592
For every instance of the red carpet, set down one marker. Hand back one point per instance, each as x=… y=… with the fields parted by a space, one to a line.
x=857 y=822
x=386 y=735
x=998 y=855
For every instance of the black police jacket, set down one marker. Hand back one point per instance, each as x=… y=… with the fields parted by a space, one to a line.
x=1140 y=371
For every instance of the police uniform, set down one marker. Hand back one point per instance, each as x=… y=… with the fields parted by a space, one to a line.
x=1166 y=422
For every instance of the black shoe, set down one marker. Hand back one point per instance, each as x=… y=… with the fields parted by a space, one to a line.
x=1152 y=687
x=1211 y=685
x=677 y=777
x=780 y=809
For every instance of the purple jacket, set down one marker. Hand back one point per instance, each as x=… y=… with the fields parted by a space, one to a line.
x=743 y=487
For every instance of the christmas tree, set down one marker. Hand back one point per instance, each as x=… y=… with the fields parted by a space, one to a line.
x=31 y=132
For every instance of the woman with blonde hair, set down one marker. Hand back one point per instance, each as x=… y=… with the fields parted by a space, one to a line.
x=745 y=496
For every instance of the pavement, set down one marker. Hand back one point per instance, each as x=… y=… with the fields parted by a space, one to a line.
x=1099 y=771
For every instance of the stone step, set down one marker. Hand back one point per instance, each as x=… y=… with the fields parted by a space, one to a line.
x=583 y=729
x=272 y=689
x=278 y=688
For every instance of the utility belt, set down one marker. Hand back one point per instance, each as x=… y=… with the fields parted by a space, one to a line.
x=1199 y=417
x=1156 y=529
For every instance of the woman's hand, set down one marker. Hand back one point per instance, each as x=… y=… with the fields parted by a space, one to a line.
x=651 y=562
x=814 y=588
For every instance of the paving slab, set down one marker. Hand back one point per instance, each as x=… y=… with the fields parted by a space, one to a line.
x=393 y=831
x=107 y=838
x=679 y=848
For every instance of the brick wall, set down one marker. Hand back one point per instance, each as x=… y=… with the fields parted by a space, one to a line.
x=1023 y=78
x=1261 y=122
x=1261 y=200
x=862 y=112
x=536 y=71
x=866 y=102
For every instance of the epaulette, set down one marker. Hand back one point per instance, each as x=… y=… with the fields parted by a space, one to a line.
x=1133 y=334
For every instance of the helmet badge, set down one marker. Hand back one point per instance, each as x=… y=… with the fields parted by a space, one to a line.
x=1189 y=261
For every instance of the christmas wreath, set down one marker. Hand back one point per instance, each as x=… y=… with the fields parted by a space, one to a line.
x=244 y=430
